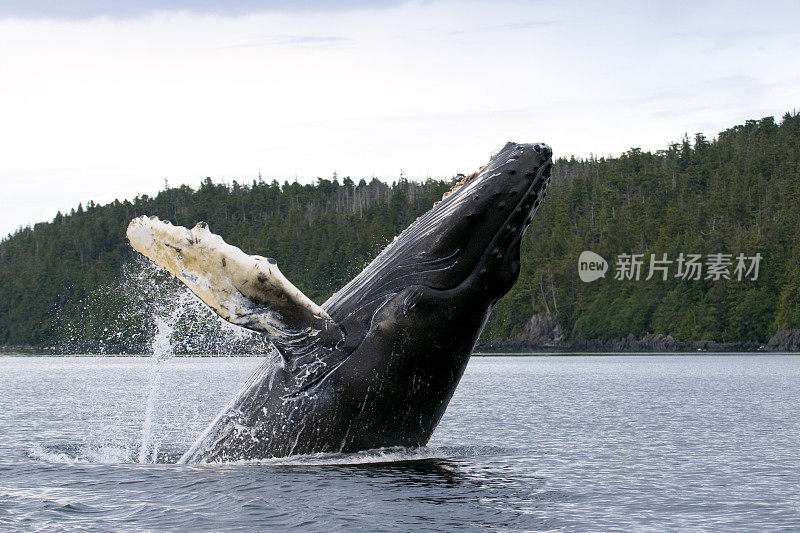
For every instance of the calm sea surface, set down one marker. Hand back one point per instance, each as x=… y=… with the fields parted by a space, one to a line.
x=528 y=443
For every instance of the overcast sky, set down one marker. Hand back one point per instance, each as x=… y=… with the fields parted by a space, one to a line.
x=102 y=100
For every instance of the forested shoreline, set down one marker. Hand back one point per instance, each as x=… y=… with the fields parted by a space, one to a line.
x=66 y=284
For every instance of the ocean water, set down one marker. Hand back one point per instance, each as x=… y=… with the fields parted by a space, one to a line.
x=570 y=443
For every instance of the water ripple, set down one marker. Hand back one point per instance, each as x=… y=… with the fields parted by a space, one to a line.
x=531 y=444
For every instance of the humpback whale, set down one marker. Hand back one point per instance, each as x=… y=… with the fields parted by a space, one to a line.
x=375 y=365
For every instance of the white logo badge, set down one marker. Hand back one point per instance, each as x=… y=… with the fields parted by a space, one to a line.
x=591 y=266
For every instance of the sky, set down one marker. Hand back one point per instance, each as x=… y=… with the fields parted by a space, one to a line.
x=103 y=100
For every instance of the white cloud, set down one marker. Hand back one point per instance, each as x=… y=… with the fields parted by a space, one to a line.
x=101 y=108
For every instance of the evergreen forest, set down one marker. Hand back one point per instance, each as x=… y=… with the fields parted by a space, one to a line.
x=738 y=193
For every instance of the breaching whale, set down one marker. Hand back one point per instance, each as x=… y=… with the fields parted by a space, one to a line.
x=376 y=365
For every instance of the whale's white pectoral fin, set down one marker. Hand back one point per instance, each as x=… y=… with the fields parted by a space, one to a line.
x=247 y=290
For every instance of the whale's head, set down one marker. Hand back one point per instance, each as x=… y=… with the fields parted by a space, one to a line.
x=469 y=240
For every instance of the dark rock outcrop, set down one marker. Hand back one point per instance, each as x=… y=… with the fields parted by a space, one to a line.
x=785 y=340
x=543 y=330
x=542 y=333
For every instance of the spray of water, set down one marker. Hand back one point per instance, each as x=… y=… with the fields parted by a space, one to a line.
x=123 y=317
x=162 y=351
x=180 y=321
x=146 y=311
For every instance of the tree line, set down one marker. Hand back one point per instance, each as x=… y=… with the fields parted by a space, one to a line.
x=737 y=193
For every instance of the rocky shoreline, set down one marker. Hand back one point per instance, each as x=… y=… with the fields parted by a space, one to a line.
x=540 y=334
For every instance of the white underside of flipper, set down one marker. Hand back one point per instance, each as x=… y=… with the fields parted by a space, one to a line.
x=247 y=290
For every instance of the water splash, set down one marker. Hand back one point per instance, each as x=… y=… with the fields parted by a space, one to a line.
x=162 y=350
x=121 y=317
x=392 y=454
x=109 y=454
x=179 y=319
x=87 y=454
x=147 y=311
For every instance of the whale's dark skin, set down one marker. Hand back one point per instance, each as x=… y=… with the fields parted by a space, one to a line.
x=408 y=324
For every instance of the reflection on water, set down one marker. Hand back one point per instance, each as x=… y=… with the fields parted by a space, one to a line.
x=541 y=443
